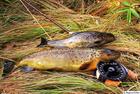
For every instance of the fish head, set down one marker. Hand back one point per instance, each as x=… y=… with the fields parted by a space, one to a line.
x=108 y=54
x=103 y=38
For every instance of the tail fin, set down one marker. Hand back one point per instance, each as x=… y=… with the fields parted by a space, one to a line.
x=8 y=66
x=43 y=42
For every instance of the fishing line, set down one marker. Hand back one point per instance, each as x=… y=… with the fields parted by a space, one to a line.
x=35 y=19
x=50 y=19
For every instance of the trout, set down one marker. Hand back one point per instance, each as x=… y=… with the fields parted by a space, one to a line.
x=68 y=59
x=80 y=39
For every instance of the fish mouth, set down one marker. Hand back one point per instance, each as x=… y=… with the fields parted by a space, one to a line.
x=107 y=37
x=110 y=37
x=113 y=54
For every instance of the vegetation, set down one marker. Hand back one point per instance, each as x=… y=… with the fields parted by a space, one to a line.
x=130 y=10
x=21 y=28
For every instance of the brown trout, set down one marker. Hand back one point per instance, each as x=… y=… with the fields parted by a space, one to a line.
x=80 y=39
x=68 y=59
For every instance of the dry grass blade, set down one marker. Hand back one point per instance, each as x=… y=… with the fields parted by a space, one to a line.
x=35 y=19
x=24 y=34
x=68 y=84
x=50 y=19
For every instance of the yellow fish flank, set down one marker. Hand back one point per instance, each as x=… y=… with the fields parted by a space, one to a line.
x=68 y=59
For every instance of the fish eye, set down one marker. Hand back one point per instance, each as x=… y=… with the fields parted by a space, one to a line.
x=108 y=51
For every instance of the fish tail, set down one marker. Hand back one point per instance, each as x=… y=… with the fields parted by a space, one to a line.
x=43 y=42
x=7 y=67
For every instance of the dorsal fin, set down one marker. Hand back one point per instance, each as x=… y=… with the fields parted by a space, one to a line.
x=43 y=42
x=74 y=33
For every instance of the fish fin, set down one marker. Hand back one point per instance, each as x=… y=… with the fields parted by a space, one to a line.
x=74 y=33
x=43 y=42
x=90 y=66
x=84 y=66
x=26 y=69
x=8 y=66
x=93 y=64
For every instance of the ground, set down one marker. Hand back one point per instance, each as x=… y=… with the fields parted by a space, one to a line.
x=20 y=39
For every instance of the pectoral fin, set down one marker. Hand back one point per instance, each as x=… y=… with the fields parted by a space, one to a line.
x=90 y=66
x=43 y=42
x=84 y=66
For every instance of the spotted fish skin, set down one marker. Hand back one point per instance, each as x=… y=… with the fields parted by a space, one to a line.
x=82 y=40
x=66 y=59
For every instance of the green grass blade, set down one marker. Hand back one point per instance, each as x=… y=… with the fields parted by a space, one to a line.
x=125 y=3
x=122 y=10
x=135 y=13
x=69 y=83
x=129 y=16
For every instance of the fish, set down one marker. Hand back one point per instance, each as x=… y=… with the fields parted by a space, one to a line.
x=6 y=67
x=67 y=59
x=88 y=39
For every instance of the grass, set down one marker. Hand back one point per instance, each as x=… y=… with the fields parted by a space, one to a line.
x=55 y=83
x=68 y=84
x=25 y=34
